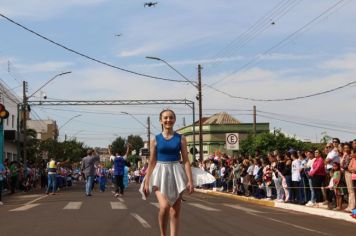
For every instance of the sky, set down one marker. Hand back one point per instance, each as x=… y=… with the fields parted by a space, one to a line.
x=250 y=52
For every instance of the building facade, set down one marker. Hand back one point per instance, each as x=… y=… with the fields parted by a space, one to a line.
x=10 y=139
x=215 y=129
x=45 y=129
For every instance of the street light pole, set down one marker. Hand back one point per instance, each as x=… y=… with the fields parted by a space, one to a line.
x=68 y=121
x=25 y=108
x=148 y=134
x=200 y=115
x=199 y=98
x=148 y=127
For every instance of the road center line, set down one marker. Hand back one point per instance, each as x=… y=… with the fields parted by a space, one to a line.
x=156 y=204
x=242 y=208
x=120 y=199
x=203 y=207
x=35 y=200
x=25 y=207
x=290 y=224
x=141 y=220
x=118 y=206
x=73 y=206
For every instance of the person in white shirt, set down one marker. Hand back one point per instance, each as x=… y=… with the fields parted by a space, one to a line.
x=296 y=166
x=333 y=155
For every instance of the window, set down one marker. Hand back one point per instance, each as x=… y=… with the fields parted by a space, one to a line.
x=12 y=121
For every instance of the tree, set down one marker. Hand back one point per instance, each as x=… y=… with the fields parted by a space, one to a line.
x=32 y=146
x=71 y=150
x=136 y=142
x=118 y=146
x=268 y=142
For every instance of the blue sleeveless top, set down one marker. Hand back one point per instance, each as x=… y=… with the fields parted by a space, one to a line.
x=168 y=150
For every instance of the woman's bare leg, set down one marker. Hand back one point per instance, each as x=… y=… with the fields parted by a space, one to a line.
x=174 y=215
x=163 y=214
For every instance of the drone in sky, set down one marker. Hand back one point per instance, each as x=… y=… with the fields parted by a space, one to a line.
x=150 y=4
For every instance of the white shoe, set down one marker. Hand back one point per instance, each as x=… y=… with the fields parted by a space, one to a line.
x=1 y=204
x=280 y=200
x=310 y=204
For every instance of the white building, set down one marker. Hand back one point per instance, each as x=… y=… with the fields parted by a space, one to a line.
x=10 y=101
x=45 y=129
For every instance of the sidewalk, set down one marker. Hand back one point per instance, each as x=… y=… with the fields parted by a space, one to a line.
x=300 y=208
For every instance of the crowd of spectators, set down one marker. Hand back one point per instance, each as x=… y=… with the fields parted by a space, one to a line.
x=307 y=177
x=23 y=178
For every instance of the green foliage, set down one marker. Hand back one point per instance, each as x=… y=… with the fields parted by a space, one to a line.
x=133 y=160
x=118 y=146
x=268 y=142
x=74 y=151
x=326 y=139
x=136 y=142
x=32 y=146
x=71 y=150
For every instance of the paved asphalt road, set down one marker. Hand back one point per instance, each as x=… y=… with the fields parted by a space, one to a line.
x=71 y=213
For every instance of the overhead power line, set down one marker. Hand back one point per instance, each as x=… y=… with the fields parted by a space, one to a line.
x=89 y=57
x=334 y=123
x=309 y=125
x=262 y=24
x=281 y=42
x=281 y=99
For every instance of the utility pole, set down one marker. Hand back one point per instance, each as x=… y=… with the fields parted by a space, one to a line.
x=148 y=134
x=24 y=117
x=254 y=121
x=200 y=115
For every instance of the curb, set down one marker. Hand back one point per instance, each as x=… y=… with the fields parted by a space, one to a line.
x=310 y=210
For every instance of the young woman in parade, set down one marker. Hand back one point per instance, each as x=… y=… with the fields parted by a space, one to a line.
x=165 y=176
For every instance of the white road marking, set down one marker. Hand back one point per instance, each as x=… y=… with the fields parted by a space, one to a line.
x=118 y=206
x=141 y=220
x=73 y=206
x=156 y=204
x=30 y=196
x=290 y=224
x=203 y=207
x=242 y=208
x=25 y=207
x=35 y=200
x=120 y=199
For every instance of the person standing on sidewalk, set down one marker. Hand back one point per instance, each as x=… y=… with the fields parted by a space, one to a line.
x=352 y=169
x=317 y=174
x=309 y=166
x=2 y=178
x=14 y=173
x=344 y=164
x=88 y=168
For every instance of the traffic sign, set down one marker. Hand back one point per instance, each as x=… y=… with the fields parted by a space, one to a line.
x=232 y=141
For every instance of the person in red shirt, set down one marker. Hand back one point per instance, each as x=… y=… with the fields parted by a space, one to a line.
x=318 y=174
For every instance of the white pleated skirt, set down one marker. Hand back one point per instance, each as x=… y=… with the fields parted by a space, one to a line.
x=169 y=178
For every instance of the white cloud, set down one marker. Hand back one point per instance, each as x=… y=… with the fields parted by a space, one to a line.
x=49 y=66
x=39 y=9
x=346 y=62
x=281 y=56
x=144 y=50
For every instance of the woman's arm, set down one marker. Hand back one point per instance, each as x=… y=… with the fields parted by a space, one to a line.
x=151 y=165
x=351 y=164
x=186 y=163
